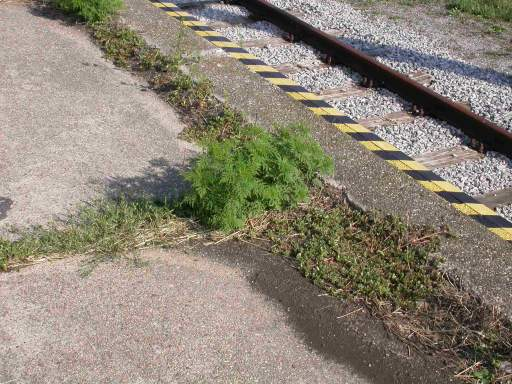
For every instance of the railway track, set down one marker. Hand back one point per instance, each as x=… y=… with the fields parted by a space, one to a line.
x=432 y=137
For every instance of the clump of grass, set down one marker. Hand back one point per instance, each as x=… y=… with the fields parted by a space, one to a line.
x=393 y=269
x=255 y=171
x=104 y=228
x=488 y=9
x=355 y=254
x=91 y=11
x=193 y=97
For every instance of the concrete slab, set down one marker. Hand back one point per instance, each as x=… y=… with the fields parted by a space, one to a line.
x=180 y=319
x=480 y=259
x=72 y=126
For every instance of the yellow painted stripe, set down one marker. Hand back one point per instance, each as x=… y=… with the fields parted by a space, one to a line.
x=356 y=128
x=196 y=23
x=238 y=55
x=280 y=81
x=504 y=233
x=160 y=5
x=439 y=186
x=262 y=68
x=166 y=4
x=474 y=209
x=303 y=96
x=327 y=111
x=177 y=14
x=225 y=44
x=407 y=165
x=208 y=33
x=379 y=146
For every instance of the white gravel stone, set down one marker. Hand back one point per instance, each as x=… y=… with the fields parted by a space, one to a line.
x=219 y=12
x=422 y=135
x=293 y=54
x=505 y=211
x=492 y=173
x=376 y=103
x=257 y=30
x=325 y=78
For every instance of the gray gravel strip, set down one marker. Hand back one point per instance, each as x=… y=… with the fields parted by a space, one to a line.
x=422 y=135
x=219 y=12
x=376 y=103
x=505 y=211
x=325 y=78
x=293 y=54
x=492 y=173
x=257 y=30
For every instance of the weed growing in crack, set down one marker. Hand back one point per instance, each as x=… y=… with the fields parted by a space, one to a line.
x=255 y=171
x=91 y=11
x=102 y=229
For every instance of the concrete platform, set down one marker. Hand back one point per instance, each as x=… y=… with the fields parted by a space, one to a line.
x=222 y=314
x=479 y=258
x=181 y=319
x=72 y=126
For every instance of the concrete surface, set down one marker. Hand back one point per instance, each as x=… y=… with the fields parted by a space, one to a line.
x=72 y=126
x=180 y=319
x=481 y=260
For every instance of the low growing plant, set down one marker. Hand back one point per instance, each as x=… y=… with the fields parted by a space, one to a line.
x=91 y=11
x=255 y=171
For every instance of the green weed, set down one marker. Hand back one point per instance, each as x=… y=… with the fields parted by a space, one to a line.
x=255 y=171
x=488 y=9
x=120 y=45
x=360 y=255
x=106 y=228
x=91 y=11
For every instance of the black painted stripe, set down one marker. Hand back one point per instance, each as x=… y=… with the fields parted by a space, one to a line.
x=170 y=9
x=272 y=75
x=186 y=18
x=392 y=155
x=423 y=175
x=237 y=50
x=203 y=28
x=252 y=62
x=293 y=88
x=315 y=104
x=457 y=197
x=364 y=136
x=339 y=119
x=217 y=38
x=492 y=221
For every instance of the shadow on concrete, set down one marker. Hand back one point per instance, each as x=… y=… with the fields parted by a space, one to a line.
x=160 y=181
x=5 y=206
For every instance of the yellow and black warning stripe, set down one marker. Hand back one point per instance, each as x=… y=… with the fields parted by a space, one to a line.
x=428 y=179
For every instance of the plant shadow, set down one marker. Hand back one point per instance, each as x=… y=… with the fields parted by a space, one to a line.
x=160 y=181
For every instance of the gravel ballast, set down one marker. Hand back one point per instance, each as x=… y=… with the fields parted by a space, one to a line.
x=488 y=92
x=288 y=54
x=257 y=30
x=505 y=211
x=317 y=80
x=375 y=103
x=422 y=135
x=492 y=173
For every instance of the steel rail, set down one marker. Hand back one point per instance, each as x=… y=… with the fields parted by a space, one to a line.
x=476 y=127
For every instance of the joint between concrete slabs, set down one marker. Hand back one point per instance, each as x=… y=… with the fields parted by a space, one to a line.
x=480 y=259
